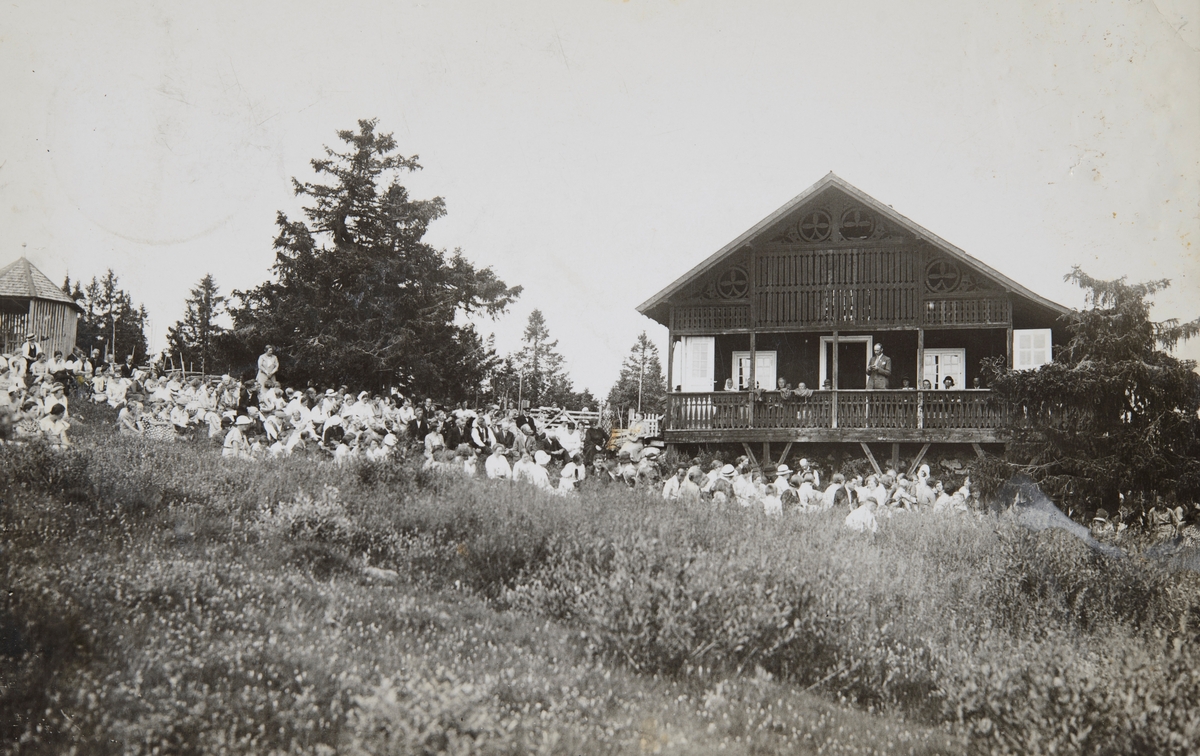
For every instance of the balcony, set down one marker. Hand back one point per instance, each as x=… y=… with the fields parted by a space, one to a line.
x=894 y=415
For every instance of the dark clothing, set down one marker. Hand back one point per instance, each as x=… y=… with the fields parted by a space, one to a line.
x=454 y=435
x=418 y=429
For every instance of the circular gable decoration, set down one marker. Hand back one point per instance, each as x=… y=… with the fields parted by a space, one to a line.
x=733 y=284
x=857 y=224
x=815 y=226
x=942 y=276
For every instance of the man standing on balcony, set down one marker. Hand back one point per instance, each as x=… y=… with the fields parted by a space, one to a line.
x=879 y=370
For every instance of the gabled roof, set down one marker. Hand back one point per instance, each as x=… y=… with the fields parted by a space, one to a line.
x=831 y=180
x=23 y=281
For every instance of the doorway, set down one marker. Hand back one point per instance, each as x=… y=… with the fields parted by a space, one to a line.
x=853 y=354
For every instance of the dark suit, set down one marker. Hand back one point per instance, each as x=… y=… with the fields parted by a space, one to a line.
x=879 y=370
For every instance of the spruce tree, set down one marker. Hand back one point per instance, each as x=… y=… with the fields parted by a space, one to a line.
x=544 y=379
x=1114 y=415
x=641 y=385
x=357 y=296
x=108 y=310
x=194 y=338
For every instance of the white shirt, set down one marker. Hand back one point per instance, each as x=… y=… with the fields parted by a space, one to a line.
x=670 y=490
x=497 y=467
x=862 y=520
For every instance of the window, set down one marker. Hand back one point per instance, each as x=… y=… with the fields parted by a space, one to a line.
x=698 y=363
x=1031 y=348
x=945 y=363
x=764 y=371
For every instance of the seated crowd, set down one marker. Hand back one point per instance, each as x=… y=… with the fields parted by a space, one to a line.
x=35 y=391
x=258 y=419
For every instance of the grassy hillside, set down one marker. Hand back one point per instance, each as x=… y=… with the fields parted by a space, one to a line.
x=160 y=599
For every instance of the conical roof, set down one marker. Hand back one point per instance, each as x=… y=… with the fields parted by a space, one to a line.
x=20 y=279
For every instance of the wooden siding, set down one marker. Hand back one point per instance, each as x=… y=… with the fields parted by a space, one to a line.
x=54 y=323
x=844 y=287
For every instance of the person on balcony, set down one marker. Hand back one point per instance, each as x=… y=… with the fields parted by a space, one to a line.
x=879 y=371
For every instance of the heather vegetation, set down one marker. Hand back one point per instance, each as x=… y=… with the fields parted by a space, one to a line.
x=162 y=599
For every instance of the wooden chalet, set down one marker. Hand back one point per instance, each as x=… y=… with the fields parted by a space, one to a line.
x=806 y=294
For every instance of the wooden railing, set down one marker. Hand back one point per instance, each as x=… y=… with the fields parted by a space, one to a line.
x=981 y=310
x=903 y=409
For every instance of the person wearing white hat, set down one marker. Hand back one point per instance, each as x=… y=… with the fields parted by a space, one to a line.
x=722 y=487
x=538 y=475
x=924 y=492
x=805 y=467
x=572 y=475
x=235 y=440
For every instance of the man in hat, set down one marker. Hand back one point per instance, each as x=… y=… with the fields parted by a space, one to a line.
x=31 y=349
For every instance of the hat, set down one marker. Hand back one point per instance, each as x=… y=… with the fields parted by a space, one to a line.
x=243 y=420
x=651 y=451
x=541 y=457
x=330 y=392
x=804 y=463
x=390 y=440
x=783 y=471
x=31 y=335
x=363 y=394
x=728 y=471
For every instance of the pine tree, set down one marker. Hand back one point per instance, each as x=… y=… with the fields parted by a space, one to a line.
x=357 y=297
x=543 y=376
x=1113 y=415
x=641 y=384
x=194 y=338
x=108 y=312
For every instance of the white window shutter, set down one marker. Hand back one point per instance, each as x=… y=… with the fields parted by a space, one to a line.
x=698 y=363
x=1032 y=348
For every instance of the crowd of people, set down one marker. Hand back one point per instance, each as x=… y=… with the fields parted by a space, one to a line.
x=784 y=490
x=259 y=419
x=35 y=391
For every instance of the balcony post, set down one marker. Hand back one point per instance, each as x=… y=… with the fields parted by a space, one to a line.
x=920 y=378
x=834 y=383
x=753 y=381
x=670 y=372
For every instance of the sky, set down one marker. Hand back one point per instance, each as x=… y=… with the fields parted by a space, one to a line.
x=593 y=151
